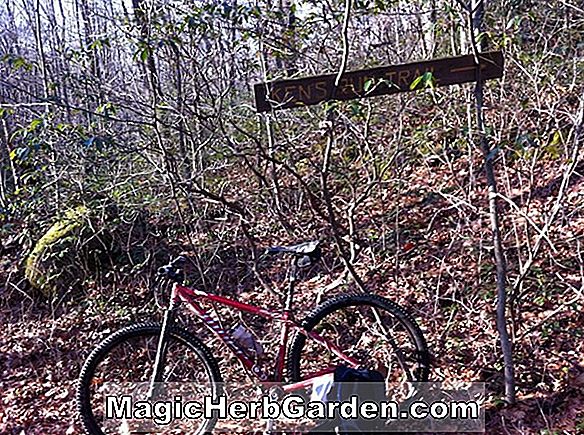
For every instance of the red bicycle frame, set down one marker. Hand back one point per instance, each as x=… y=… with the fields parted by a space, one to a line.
x=191 y=297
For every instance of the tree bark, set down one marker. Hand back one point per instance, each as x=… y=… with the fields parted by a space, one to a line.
x=41 y=52
x=142 y=20
x=476 y=22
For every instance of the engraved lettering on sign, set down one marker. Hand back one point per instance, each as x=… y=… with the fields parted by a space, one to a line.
x=321 y=88
x=403 y=78
x=290 y=94
x=345 y=87
x=385 y=80
x=304 y=93
x=390 y=75
x=276 y=95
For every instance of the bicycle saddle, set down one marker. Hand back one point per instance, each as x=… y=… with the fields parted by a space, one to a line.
x=312 y=249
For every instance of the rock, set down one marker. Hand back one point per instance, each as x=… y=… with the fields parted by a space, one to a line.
x=66 y=252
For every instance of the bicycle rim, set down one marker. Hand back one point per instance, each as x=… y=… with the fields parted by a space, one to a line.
x=376 y=332
x=122 y=365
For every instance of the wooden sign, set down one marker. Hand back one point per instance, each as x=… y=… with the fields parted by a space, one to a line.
x=384 y=80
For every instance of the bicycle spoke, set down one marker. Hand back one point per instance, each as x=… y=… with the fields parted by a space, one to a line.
x=392 y=342
x=369 y=329
x=126 y=368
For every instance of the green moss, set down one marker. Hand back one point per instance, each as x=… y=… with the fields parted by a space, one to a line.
x=62 y=231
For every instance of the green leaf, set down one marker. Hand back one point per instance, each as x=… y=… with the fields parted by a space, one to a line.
x=19 y=62
x=416 y=82
x=427 y=80
x=553 y=151
x=19 y=154
x=483 y=36
x=144 y=54
x=356 y=108
x=556 y=139
x=34 y=124
x=368 y=85
x=95 y=45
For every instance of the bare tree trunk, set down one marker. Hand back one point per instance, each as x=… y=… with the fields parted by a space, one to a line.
x=87 y=96
x=289 y=39
x=12 y=27
x=41 y=52
x=271 y=141
x=427 y=24
x=142 y=20
x=88 y=26
x=476 y=19
x=8 y=178
x=344 y=253
x=61 y=65
x=181 y=113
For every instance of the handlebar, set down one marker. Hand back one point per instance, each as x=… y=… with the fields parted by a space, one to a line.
x=174 y=269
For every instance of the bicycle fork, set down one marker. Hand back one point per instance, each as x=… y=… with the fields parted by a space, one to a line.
x=162 y=348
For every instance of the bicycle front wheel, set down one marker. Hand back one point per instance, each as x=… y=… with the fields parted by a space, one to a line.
x=119 y=370
x=376 y=332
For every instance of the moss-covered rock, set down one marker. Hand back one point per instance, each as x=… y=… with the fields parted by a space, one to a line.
x=59 y=259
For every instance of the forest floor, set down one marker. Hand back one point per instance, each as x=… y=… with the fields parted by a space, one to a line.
x=43 y=344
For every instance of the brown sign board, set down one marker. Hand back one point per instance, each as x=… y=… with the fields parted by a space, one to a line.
x=307 y=91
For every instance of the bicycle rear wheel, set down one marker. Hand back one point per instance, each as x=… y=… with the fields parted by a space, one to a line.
x=373 y=330
x=122 y=365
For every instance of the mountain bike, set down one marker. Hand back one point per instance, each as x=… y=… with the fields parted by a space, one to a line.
x=358 y=330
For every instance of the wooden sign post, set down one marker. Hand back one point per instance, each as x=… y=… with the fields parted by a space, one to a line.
x=284 y=94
